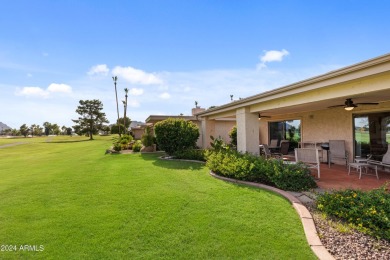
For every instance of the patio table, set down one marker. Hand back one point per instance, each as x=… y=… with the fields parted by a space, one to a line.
x=359 y=165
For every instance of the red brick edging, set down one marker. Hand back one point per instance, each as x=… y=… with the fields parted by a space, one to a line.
x=306 y=218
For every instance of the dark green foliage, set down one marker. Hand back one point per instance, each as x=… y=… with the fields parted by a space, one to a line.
x=232 y=164
x=367 y=211
x=137 y=146
x=24 y=130
x=233 y=136
x=191 y=154
x=91 y=118
x=174 y=135
x=117 y=147
x=147 y=138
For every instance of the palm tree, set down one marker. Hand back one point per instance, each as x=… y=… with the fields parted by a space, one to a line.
x=125 y=108
x=115 y=78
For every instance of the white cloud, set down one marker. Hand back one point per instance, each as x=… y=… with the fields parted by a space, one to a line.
x=63 y=88
x=100 y=69
x=133 y=103
x=136 y=91
x=32 y=92
x=136 y=76
x=43 y=93
x=271 y=56
x=165 y=95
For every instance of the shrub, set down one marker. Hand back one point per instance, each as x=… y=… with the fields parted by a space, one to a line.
x=369 y=211
x=117 y=147
x=233 y=136
x=191 y=154
x=174 y=135
x=147 y=138
x=230 y=163
x=137 y=146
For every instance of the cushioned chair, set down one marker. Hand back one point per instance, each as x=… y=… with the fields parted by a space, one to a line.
x=308 y=156
x=337 y=151
x=284 y=146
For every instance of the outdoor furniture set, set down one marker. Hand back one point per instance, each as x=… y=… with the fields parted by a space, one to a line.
x=335 y=150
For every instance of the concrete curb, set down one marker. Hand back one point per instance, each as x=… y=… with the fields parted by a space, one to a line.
x=306 y=218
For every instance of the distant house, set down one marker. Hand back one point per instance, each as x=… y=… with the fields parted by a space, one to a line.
x=351 y=104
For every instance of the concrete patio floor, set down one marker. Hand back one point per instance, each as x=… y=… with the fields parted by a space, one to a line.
x=336 y=177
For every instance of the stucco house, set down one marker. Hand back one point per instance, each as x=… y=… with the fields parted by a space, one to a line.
x=351 y=104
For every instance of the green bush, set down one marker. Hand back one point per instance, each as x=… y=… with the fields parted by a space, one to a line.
x=117 y=147
x=147 y=138
x=230 y=163
x=137 y=146
x=233 y=136
x=174 y=135
x=191 y=154
x=367 y=211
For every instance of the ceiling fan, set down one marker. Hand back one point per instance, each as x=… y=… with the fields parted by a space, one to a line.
x=260 y=116
x=349 y=105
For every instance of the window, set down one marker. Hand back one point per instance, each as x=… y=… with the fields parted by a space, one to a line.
x=372 y=134
x=286 y=130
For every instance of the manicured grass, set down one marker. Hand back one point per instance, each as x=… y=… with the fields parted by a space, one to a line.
x=79 y=203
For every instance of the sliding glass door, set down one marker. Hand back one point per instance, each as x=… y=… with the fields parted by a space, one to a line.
x=286 y=130
x=372 y=134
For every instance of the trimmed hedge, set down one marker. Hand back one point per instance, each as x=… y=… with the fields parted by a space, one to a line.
x=175 y=135
x=191 y=154
x=368 y=212
x=232 y=164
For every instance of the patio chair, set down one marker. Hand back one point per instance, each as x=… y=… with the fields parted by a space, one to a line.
x=337 y=151
x=273 y=143
x=284 y=146
x=309 y=157
x=268 y=154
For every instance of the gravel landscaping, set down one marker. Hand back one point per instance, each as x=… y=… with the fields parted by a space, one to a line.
x=345 y=243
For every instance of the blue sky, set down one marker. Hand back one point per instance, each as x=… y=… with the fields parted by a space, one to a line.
x=170 y=54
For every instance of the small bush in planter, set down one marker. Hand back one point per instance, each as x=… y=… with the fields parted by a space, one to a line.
x=117 y=147
x=137 y=146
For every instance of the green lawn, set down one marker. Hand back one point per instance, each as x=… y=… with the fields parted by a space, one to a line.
x=78 y=203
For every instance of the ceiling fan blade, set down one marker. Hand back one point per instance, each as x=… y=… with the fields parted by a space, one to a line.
x=336 y=106
x=370 y=103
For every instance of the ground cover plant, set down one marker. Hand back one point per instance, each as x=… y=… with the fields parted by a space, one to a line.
x=78 y=203
x=367 y=211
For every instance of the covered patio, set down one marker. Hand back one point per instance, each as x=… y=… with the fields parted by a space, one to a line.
x=351 y=104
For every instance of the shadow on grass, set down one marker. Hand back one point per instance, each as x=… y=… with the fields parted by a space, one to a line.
x=171 y=164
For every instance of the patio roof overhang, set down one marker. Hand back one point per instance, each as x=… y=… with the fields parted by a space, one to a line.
x=368 y=81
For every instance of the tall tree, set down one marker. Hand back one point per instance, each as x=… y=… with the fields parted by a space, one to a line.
x=117 y=106
x=125 y=108
x=91 y=118
x=55 y=129
x=24 y=130
x=47 y=127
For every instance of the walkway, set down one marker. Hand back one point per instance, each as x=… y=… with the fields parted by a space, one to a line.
x=12 y=144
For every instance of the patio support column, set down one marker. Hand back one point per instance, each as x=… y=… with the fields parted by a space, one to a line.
x=208 y=129
x=247 y=131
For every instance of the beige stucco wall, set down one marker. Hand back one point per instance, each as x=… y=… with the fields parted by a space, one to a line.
x=222 y=129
